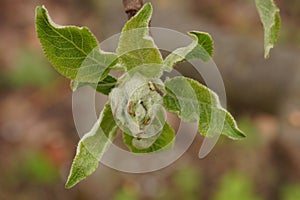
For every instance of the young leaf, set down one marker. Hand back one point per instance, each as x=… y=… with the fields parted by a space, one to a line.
x=73 y=51
x=104 y=86
x=92 y=146
x=270 y=18
x=156 y=143
x=186 y=99
x=201 y=48
x=212 y=117
x=137 y=108
x=136 y=47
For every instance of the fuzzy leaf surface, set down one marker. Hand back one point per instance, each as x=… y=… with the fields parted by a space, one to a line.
x=212 y=118
x=201 y=48
x=136 y=48
x=92 y=146
x=155 y=143
x=73 y=51
x=270 y=18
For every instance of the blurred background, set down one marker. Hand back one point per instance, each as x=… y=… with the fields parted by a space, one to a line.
x=38 y=137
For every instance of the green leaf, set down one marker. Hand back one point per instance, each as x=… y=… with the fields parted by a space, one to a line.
x=136 y=47
x=104 y=86
x=201 y=48
x=92 y=146
x=73 y=51
x=270 y=18
x=159 y=142
x=182 y=96
x=212 y=118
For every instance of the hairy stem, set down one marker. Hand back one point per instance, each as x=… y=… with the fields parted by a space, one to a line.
x=132 y=7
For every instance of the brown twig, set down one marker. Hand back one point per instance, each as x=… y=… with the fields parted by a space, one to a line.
x=132 y=7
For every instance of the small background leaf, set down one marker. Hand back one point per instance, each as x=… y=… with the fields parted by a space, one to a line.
x=270 y=18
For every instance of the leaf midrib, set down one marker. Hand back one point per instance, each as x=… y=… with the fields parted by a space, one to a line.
x=70 y=41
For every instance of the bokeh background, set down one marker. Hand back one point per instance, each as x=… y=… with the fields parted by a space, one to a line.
x=38 y=137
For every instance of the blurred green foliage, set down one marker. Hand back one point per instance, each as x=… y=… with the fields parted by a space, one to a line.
x=235 y=186
x=38 y=168
x=188 y=182
x=127 y=193
x=33 y=168
x=248 y=126
x=30 y=70
x=290 y=192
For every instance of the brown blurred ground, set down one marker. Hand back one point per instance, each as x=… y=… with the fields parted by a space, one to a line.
x=37 y=134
